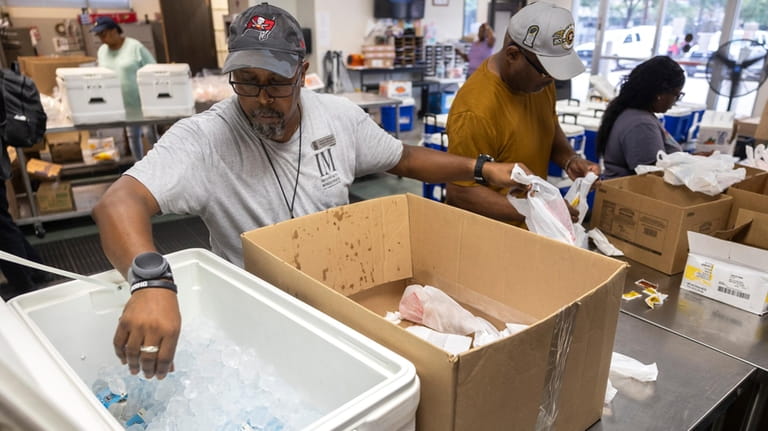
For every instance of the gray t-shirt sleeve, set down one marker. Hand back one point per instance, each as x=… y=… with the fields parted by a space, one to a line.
x=174 y=170
x=641 y=143
x=375 y=149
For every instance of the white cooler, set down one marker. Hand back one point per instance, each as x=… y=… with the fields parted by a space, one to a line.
x=91 y=94
x=53 y=341
x=166 y=90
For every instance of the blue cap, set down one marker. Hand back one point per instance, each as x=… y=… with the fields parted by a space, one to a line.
x=104 y=23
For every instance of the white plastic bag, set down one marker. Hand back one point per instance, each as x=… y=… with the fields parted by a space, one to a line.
x=431 y=307
x=710 y=175
x=544 y=209
x=629 y=367
x=577 y=194
x=757 y=157
x=602 y=243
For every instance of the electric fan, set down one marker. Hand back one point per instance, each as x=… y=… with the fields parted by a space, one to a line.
x=740 y=66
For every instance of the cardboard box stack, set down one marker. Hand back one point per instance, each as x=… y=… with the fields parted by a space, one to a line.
x=353 y=263
x=648 y=219
x=42 y=70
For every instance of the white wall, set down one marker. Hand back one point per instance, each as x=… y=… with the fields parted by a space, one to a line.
x=449 y=20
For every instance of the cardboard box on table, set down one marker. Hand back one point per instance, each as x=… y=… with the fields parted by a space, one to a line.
x=42 y=70
x=353 y=263
x=751 y=194
x=731 y=268
x=53 y=197
x=647 y=218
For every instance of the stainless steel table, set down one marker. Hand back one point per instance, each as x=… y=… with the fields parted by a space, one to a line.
x=722 y=327
x=694 y=381
x=370 y=100
x=726 y=329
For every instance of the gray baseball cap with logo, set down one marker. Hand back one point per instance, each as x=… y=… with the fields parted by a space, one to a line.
x=265 y=37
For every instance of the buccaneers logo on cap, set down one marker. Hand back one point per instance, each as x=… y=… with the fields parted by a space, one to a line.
x=564 y=37
x=263 y=25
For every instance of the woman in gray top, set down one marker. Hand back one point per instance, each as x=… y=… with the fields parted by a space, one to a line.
x=630 y=134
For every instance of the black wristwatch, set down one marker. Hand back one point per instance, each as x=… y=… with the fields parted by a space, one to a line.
x=150 y=269
x=481 y=159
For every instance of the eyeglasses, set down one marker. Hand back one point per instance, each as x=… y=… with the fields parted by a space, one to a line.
x=535 y=66
x=679 y=96
x=274 y=91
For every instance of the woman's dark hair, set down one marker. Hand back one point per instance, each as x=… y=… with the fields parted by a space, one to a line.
x=659 y=75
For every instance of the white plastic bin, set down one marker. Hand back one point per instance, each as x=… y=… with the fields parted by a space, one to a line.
x=166 y=90
x=91 y=94
x=355 y=382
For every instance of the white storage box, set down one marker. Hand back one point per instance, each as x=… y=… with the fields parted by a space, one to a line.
x=355 y=382
x=166 y=90
x=397 y=89
x=715 y=132
x=731 y=271
x=91 y=94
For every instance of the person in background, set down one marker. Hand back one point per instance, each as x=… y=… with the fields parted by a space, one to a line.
x=124 y=55
x=630 y=134
x=271 y=152
x=506 y=109
x=481 y=48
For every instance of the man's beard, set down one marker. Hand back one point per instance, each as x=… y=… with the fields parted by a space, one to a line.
x=269 y=130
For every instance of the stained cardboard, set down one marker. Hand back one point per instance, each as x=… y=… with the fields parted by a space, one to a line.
x=353 y=262
x=647 y=219
x=53 y=197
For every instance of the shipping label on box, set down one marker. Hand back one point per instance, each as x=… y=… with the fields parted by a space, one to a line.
x=648 y=219
x=733 y=270
x=353 y=263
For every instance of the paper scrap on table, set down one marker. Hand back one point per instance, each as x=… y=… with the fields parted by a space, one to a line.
x=602 y=243
x=451 y=343
x=629 y=367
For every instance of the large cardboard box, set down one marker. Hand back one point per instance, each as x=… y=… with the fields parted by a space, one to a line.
x=751 y=194
x=647 y=218
x=42 y=70
x=54 y=197
x=353 y=263
x=732 y=269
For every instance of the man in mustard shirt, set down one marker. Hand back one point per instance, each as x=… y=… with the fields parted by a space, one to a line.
x=506 y=109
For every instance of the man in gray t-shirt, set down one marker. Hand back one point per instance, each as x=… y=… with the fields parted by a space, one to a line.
x=272 y=152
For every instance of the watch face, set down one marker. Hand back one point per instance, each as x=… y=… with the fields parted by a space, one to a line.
x=149 y=265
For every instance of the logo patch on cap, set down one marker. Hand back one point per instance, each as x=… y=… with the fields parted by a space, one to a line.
x=530 y=36
x=262 y=25
x=564 y=37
